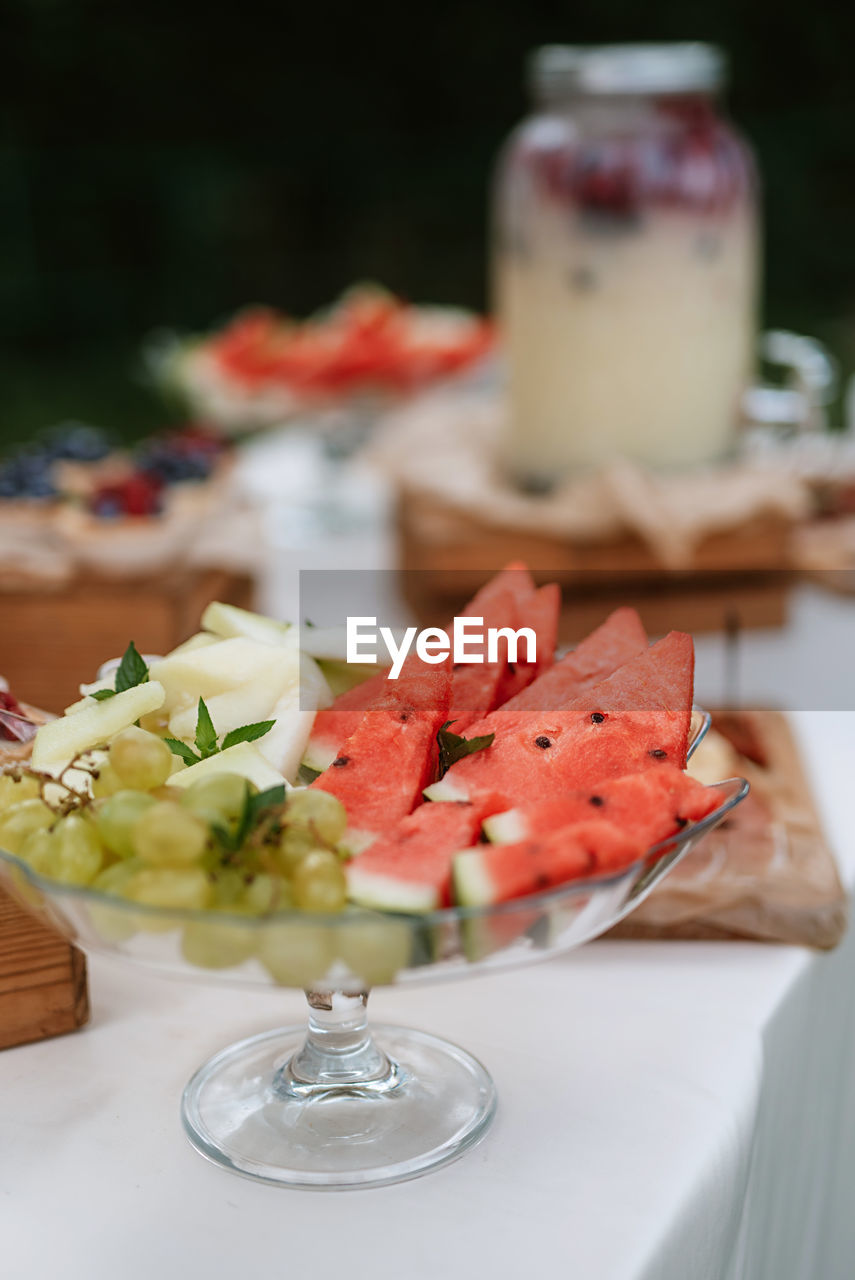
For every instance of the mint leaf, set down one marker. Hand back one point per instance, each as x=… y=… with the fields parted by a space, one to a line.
x=100 y=694
x=268 y=799
x=206 y=734
x=187 y=754
x=131 y=671
x=247 y=733
x=453 y=747
x=231 y=841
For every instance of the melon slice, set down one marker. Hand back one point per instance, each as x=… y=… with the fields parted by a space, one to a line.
x=344 y=676
x=498 y=873
x=221 y=668
x=381 y=769
x=636 y=717
x=410 y=870
x=244 y=759
x=201 y=640
x=648 y=806
x=229 y=622
x=59 y=741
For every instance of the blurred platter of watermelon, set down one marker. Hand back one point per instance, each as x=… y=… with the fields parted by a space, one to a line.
x=263 y=368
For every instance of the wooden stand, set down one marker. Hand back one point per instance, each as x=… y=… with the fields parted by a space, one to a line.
x=53 y=638
x=739 y=578
x=42 y=979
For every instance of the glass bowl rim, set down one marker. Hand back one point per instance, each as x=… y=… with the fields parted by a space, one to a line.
x=57 y=890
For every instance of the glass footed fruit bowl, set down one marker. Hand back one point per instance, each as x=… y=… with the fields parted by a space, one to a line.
x=333 y=1106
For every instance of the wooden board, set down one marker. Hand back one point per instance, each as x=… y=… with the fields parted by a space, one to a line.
x=767 y=872
x=43 y=989
x=740 y=578
x=50 y=640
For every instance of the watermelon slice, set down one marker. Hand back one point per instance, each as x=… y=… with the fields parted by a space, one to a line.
x=333 y=724
x=410 y=870
x=617 y=640
x=636 y=717
x=498 y=873
x=540 y=610
x=476 y=686
x=381 y=769
x=649 y=806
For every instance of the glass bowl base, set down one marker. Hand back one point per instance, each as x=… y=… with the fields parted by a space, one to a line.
x=434 y=1103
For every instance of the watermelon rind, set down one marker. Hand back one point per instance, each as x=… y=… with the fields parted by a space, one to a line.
x=319 y=754
x=446 y=789
x=506 y=828
x=473 y=885
x=389 y=893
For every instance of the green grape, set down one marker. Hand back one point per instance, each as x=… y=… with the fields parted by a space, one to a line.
x=229 y=885
x=112 y=880
x=107 y=782
x=142 y=760
x=318 y=882
x=294 y=953
x=216 y=945
x=186 y=888
x=265 y=893
x=13 y=791
x=319 y=812
x=295 y=844
x=77 y=851
x=21 y=821
x=218 y=798
x=116 y=817
x=155 y=722
x=38 y=851
x=374 y=950
x=166 y=835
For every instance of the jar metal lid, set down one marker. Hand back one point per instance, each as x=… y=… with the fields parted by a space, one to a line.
x=557 y=70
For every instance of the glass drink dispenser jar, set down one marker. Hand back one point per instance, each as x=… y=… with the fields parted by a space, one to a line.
x=625 y=262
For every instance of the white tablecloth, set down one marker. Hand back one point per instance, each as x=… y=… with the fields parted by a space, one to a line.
x=677 y=1111
x=667 y=1111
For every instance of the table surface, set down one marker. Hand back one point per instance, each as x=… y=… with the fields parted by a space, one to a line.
x=667 y=1111
x=643 y=1088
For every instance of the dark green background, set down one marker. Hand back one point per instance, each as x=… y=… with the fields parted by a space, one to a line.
x=166 y=164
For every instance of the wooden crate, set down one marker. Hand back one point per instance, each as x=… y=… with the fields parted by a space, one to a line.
x=740 y=578
x=43 y=989
x=51 y=639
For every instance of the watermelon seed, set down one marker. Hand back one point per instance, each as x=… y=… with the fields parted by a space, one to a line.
x=596 y=800
x=658 y=753
x=681 y=822
x=543 y=742
x=340 y=762
x=597 y=717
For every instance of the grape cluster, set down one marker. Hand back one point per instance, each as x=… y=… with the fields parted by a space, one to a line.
x=213 y=845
